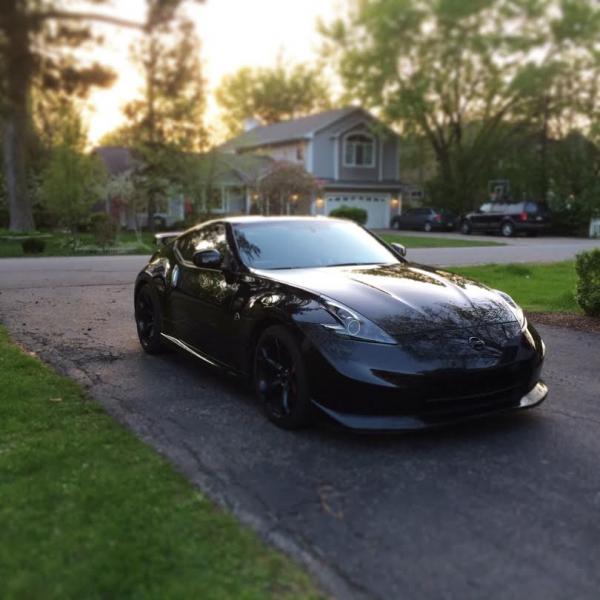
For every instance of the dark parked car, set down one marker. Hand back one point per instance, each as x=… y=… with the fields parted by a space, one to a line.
x=425 y=219
x=508 y=218
x=325 y=318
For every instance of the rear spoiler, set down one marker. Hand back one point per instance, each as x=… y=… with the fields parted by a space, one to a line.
x=162 y=239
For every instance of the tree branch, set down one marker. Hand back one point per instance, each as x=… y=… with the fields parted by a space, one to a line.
x=84 y=16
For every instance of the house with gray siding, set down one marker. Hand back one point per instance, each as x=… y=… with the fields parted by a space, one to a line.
x=354 y=156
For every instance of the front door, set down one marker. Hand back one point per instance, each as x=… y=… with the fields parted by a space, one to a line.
x=202 y=299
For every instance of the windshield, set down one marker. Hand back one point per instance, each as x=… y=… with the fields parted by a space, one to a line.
x=304 y=244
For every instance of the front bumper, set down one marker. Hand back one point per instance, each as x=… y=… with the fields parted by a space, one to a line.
x=383 y=423
x=425 y=381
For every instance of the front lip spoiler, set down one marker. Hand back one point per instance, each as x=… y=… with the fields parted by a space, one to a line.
x=375 y=423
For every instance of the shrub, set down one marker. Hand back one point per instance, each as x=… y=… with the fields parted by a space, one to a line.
x=587 y=266
x=104 y=229
x=358 y=215
x=33 y=246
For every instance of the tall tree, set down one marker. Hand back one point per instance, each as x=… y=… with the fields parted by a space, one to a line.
x=72 y=180
x=457 y=73
x=36 y=43
x=166 y=120
x=271 y=94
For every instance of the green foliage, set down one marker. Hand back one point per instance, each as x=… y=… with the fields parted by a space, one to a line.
x=72 y=180
x=104 y=229
x=286 y=184
x=537 y=287
x=33 y=246
x=169 y=111
x=432 y=241
x=101 y=514
x=472 y=78
x=587 y=265
x=271 y=94
x=358 y=215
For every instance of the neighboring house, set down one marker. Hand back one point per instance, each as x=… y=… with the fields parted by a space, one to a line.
x=230 y=182
x=353 y=155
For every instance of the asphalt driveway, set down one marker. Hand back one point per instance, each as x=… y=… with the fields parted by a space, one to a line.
x=496 y=509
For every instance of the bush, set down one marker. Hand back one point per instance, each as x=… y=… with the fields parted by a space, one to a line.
x=587 y=266
x=33 y=246
x=104 y=229
x=358 y=215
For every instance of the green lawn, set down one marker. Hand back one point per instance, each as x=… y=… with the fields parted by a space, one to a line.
x=88 y=511
x=546 y=287
x=433 y=241
x=59 y=244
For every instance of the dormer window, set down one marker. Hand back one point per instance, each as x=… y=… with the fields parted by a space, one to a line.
x=359 y=150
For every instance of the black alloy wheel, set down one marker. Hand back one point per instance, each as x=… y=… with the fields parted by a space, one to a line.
x=465 y=228
x=148 y=320
x=280 y=379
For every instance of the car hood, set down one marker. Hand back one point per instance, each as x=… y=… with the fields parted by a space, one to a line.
x=403 y=298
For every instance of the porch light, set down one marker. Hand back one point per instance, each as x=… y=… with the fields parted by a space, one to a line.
x=394 y=201
x=294 y=197
x=320 y=202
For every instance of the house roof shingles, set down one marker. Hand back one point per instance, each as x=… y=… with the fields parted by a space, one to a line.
x=285 y=131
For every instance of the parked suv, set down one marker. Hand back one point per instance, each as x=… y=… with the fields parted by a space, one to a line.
x=507 y=218
x=426 y=219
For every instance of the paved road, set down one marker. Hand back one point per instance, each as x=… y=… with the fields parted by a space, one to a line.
x=500 y=509
x=517 y=249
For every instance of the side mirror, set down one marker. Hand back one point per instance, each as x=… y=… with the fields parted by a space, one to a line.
x=208 y=259
x=399 y=248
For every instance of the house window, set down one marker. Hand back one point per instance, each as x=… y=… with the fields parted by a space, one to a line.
x=359 y=150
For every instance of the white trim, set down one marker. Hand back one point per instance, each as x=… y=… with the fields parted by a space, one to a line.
x=309 y=155
x=373 y=139
x=336 y=158
x=380 y=159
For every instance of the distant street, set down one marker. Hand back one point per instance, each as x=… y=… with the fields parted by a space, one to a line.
x=517 y=249
x=499 y=509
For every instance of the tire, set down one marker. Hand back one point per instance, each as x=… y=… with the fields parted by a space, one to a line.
x=280 y=380
x=465 y=228
x=507 y=229
x=427 y=227
x=148 y=320
x=396 y=224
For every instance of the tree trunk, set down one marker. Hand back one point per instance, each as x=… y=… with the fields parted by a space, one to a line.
x=18 y=74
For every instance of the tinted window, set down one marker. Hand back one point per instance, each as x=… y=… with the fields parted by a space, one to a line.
x=212 y=237
x=297 y=244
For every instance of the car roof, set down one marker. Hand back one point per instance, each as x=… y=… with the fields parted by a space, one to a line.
x=240 y=219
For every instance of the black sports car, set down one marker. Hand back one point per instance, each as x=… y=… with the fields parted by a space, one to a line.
x=325 y=317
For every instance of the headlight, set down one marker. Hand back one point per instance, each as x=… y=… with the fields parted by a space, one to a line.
x=352 y=325
x=516 y=309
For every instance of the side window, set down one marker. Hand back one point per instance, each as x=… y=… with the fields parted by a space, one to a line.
x=213 y=237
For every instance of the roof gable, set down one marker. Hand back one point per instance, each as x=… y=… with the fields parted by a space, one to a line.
x=287 y=131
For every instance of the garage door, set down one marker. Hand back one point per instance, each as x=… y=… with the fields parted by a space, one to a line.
x=377 y=206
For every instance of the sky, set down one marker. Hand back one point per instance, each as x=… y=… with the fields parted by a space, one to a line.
x=234 y=33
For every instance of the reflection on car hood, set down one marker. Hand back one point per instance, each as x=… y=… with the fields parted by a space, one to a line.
x=403 y=298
